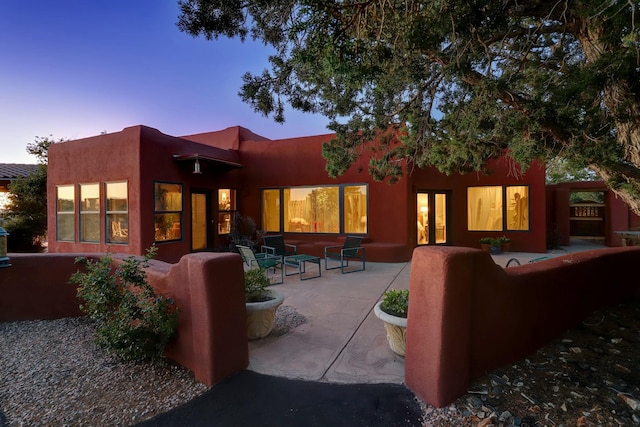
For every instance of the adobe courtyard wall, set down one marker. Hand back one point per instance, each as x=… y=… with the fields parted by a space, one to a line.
x=468 y=315
x=207 y=287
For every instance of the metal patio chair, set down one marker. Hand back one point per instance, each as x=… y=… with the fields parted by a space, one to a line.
x=275 y=245
x=262 y=261
x=352 y=249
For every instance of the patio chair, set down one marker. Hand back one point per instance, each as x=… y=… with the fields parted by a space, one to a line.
x=350 y=250
x=262 y=261
x=275 y=245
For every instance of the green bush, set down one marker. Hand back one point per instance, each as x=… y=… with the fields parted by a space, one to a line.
x=132 y=320
x=255 y=285
x=396 y=302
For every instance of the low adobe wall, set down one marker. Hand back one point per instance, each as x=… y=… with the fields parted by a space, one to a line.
x=468 y=315
x=207 y=287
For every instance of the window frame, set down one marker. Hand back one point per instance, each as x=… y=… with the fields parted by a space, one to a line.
x=84 y=213
x=71 y=213
x=107 y=213
x=505 y=208
x=340 y=213
x=226 y=214
x=163 y=212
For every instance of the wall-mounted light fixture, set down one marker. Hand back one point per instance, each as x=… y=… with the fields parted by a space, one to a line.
x=196 y=167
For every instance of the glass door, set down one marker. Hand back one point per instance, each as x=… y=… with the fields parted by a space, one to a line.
x=432 y=211
x=201 y=238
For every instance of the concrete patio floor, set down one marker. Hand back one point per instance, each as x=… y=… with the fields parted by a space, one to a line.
x=342 y=341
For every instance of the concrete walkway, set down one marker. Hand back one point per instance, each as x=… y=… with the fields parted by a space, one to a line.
x=341 y=339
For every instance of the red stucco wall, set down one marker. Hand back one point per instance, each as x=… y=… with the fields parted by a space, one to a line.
x=468 y=315
x=212 y=336
x=618 y=216
x=533 y=240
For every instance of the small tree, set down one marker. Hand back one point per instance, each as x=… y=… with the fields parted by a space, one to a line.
x=132 y=320
x=27 y=210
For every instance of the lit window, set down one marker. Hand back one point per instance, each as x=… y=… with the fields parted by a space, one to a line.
x=226 y=209
x=517 y=207
x=311 y=210
x=487 y=210
x=168 y=211
x=90 y=213
x=65 y=213
x=117 y=212
x=484 y=208
x=355 y=209
x=271 y=210
x=322 y=209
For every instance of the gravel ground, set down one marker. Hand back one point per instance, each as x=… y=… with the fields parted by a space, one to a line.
x=51 y=373
x=588 y=377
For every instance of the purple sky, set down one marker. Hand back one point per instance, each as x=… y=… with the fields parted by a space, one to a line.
x=77 y=68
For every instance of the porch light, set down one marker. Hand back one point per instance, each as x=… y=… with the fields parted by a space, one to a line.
x=196 y=167
x=4 y=259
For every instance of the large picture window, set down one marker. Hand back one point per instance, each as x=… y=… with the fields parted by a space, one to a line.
x=496 y=208
x=167 y=215
x=319 y=209
x=90 y=213
x=117 y=212
x=65 y=213
x=311 y=210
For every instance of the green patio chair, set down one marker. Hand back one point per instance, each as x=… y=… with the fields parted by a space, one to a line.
x=352 y=249
x=262 y=261
x=275 y=245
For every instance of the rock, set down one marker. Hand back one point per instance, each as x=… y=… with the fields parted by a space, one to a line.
x=633 y=403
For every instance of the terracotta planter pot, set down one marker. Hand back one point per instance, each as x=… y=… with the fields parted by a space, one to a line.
x=261 y=316
x=396 y=328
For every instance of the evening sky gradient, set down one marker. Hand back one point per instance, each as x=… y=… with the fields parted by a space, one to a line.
x=76 y=68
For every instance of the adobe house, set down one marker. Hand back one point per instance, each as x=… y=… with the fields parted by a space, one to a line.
x=124 y=191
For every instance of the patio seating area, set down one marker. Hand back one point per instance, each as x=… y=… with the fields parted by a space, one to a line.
x=326 y=329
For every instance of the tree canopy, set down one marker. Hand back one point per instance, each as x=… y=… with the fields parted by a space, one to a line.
x=452 y=83
x=27 y=209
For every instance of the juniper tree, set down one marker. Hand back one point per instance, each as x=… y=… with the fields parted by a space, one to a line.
x=456 y=82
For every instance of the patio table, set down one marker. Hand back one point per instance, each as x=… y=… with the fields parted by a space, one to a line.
x=299 y=262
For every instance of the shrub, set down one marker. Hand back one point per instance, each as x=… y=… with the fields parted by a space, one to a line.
x=132 y=320
x=245 y=232
x=255 y=285
x=396 y=302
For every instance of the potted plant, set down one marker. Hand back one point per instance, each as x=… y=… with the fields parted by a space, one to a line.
x=261 y=303
x=392 y=310
x=505 y=243
x=485 y=243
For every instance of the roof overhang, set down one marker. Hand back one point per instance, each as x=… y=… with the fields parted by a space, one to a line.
x=204 y=158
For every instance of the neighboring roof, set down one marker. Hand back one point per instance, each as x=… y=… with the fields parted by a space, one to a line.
x=11 y=171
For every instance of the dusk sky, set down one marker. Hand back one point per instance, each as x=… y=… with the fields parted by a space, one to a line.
x=76 y=68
